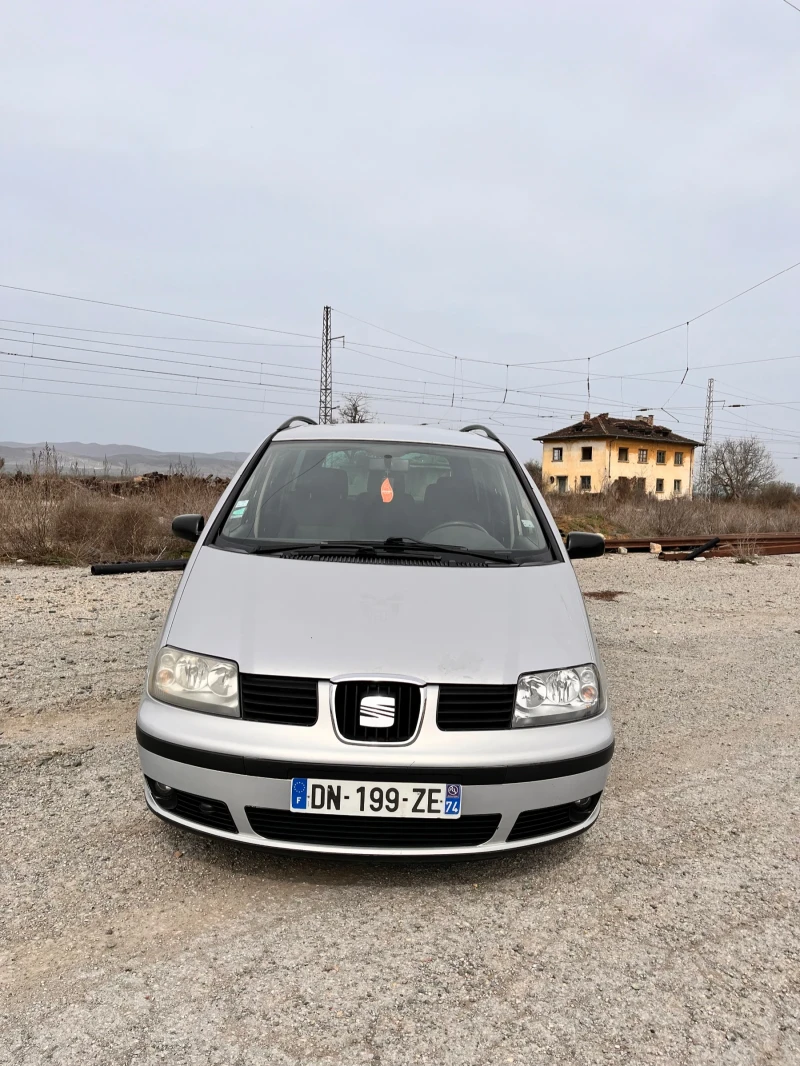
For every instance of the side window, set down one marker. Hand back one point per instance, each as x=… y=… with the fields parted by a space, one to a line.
x=586 y=455
x=643 y=455
x=659 y=484
x=622 y=455
x=558 y=455
x=678 y=458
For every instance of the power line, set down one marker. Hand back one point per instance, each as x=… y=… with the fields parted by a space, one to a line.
x=789 y=2
x=255 y=370
x=152 y=311
x=145 y=336
x=415 y=398
x=410 y=340
x=744 y=292
x=36 y=338
x=677 y=325
x=445 y=375
x=437 y=401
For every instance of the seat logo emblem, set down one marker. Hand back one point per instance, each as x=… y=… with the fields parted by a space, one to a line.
x=376 y=712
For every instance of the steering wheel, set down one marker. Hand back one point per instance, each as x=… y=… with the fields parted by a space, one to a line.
x=451 y=525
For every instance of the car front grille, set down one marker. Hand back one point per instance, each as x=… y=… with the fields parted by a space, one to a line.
x=544 y=820
x=200 y=809
x=473 y=707
x=354 y=831
x=407 y=705
x=281 y=700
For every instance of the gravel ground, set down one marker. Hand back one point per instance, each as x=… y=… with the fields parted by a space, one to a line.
x=667 y=934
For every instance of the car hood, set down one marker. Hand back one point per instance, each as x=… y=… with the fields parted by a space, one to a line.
x=309 y=618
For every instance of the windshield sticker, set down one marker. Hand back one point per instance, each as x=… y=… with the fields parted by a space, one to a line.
x=239 y=509
x=387 y=492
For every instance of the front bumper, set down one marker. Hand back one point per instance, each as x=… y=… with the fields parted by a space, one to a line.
x=518 y=786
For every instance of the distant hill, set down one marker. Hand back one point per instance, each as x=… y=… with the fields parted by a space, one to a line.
x=120 y=459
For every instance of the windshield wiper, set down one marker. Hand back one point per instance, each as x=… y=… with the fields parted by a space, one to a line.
x=402 y=543
x=341 y=547
x=410 y=547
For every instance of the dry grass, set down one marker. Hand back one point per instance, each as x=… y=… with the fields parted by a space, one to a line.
x=746 y=550
x=48 y=518
x=647 y=517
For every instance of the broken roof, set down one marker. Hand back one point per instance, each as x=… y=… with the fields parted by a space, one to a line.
x=603 y=426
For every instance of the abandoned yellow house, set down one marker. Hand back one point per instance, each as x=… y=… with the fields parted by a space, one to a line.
x=593 y=454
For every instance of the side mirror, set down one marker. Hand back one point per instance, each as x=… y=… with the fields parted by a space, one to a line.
x=188 y=526
x=585 y=545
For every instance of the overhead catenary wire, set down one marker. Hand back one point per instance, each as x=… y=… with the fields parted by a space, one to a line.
x=678 y=325
x=415 y=398
x=255 y=371
x=347 y=380
x=153 y=311
x=468 y=387
x=116 y=368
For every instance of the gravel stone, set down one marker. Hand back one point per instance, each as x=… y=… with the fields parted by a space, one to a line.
x=667 y=934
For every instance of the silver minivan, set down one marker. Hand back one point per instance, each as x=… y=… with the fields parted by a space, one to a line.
x=378 y=648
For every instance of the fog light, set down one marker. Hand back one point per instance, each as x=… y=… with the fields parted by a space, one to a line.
x=165 y=795
x=580 y=809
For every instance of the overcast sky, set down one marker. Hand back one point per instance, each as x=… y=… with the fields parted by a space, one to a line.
x=511 y=182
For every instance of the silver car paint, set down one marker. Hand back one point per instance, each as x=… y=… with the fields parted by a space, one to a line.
x=325 y=619
x=306 y=618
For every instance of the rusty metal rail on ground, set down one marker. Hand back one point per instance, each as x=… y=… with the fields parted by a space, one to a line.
x=727 y=544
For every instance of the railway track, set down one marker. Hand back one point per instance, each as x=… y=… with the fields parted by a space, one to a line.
x=729 y=544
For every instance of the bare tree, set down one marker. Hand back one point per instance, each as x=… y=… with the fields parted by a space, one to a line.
x=534 y=468
x=355 y=408
x=739 y=468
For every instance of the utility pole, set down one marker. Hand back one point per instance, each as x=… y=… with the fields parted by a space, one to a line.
x=707 y=433
x=326 y=370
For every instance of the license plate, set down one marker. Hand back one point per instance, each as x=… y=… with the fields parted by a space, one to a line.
x=375 y=799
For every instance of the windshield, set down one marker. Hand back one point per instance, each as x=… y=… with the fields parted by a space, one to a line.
x=304 y=492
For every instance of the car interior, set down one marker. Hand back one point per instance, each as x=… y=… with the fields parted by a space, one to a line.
x=449 y=496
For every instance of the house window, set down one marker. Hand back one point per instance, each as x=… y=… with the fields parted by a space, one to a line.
x=558 y=455
x=659 y=484
x=586 y=482
x=661 y=458
x=562 y=484
x=622 y=455
x=643 y=455
x=586 y=455
x=677 y=486
x=678 y=458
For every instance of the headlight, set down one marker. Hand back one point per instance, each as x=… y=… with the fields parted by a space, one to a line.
x=195 y=681
x=555 y=696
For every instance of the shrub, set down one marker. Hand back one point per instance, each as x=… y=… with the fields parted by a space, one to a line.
x=45 y=518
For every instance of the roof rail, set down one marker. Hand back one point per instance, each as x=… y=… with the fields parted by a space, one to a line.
x=484 y=429
x=295 y=418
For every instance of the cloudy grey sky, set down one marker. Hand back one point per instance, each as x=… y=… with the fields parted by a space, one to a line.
x=510 y=182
